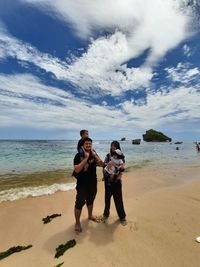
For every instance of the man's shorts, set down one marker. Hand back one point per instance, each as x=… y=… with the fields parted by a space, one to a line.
x=86 y=193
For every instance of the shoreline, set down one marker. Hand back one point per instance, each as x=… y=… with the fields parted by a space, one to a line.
x=25 y=186
x=163 y=212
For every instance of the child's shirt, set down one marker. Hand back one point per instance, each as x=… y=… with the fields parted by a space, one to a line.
x=112 y=169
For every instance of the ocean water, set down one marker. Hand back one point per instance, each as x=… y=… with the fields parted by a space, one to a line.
x=32 y=168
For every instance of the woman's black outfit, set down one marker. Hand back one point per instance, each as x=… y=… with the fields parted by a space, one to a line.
x=114 y=189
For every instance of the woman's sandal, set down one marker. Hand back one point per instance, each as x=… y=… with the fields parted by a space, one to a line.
x=123 y=222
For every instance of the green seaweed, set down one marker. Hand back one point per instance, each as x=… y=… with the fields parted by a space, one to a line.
x=60 y=264
x=60 y=250
x=13 y=250
x=49 y=218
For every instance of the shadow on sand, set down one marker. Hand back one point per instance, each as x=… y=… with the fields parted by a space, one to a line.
x=97 y=233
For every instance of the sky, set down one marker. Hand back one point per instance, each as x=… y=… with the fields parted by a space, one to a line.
x=114 y=67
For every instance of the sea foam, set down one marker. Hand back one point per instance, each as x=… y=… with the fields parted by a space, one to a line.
x=23 y=192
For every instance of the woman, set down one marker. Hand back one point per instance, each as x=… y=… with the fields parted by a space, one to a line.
x=114 y=187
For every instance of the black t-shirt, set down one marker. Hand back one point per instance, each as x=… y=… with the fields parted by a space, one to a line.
x=86 y=176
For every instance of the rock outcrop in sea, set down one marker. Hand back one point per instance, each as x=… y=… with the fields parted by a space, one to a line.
x=136 y=141
x=154 y=136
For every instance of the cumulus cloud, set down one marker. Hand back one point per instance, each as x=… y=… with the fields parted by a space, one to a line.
x=96 y=70
x=101 y=67
x=165 y=108
x=25 y=101
x=133 y=26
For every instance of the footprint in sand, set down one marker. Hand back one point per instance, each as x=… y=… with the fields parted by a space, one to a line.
x=133 y=226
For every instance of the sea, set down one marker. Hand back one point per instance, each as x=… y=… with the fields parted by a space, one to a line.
x=42 y=167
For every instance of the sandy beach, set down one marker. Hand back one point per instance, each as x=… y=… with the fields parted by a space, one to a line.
x=163 y=211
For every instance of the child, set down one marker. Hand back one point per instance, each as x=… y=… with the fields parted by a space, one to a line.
x=84 y=134
x=115 y=165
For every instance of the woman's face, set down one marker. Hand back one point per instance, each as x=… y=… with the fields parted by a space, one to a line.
x=113 y=148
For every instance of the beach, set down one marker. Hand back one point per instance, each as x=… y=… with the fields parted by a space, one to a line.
x=163 y=211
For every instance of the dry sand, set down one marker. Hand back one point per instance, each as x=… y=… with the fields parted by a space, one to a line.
x=163 y=215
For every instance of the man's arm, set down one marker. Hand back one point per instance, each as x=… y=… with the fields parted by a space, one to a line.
x=78 y=168
x=100 y=163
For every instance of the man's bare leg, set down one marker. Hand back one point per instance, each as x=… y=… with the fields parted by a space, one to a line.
x=77 y=214
x=90 y=216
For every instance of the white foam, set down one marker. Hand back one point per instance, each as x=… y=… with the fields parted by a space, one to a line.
x=23 y=192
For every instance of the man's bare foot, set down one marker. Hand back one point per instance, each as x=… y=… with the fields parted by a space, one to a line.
x=77 y=228
x=94 y=219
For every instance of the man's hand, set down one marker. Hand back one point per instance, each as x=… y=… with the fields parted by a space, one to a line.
x=86 y=154
x=100 y=163
x=82 y=165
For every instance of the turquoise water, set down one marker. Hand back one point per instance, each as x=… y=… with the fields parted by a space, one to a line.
x=44 y=167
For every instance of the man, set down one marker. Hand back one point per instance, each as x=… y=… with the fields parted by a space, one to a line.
x=85 y=173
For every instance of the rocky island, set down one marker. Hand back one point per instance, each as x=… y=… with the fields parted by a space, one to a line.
x=154 y=136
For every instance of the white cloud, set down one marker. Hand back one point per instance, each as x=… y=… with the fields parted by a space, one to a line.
x=180 y=105
x=21 y=106
x=15 y=48
x=155 y=24
x=135 y=26
x=27 y=85
x=101 y=67
x=183 y=73
x=187 y=51
x=95 y=70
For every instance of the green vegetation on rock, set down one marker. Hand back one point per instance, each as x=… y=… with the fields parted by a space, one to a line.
x=154 y=136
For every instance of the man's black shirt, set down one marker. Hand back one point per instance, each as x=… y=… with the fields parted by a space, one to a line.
x=89 y=176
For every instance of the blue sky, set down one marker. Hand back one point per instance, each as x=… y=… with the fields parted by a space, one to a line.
x=117 y=71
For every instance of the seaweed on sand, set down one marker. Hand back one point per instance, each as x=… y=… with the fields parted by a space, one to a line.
x=12 y=250
x=49 y=218
x=60 y=264
x=60 y=250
